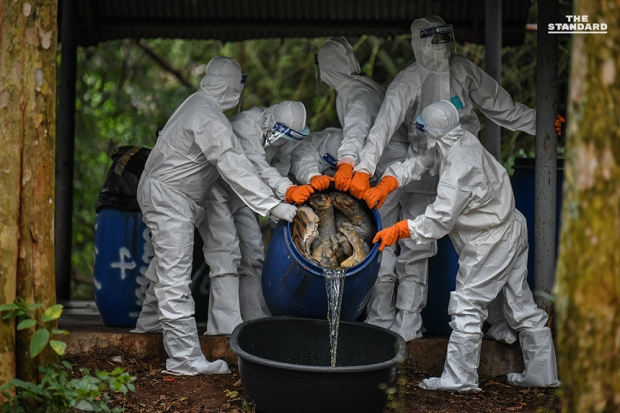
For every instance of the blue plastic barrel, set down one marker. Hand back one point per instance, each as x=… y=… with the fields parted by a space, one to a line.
x=294 y=286
x=444 y=266
x=122 y=254
x=442 y=269
x=523 y=185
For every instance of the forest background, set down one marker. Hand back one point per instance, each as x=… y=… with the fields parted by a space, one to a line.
x=126 y=90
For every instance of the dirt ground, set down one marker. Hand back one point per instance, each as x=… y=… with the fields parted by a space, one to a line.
x=156 y=392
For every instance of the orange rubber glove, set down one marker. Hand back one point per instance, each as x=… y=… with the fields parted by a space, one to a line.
x=299 y=194
x=321 y=182
x=376 y=196
x=359 y=184
x=559 y=120
x=343 y=176
x=390 y=235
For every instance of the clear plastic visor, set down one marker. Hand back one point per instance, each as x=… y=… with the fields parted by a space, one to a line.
x=439 y=35
x=281 y=131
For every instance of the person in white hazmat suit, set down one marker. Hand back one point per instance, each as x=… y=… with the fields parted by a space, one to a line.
x=475 y=206
x=358 y=99
x=357 y=103
x=195 y=147
x=436 y=74
x=234 y=249
x=316 y=156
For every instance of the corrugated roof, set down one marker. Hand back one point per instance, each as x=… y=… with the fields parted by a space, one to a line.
x=236 y=20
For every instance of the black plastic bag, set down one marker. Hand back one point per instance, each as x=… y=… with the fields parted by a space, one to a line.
x=121 y=184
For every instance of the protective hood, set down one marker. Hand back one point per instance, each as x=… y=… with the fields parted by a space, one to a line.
x=441 y=123
x=285 y=115
x=427 y=55
x=223 y=81
x=338 y=64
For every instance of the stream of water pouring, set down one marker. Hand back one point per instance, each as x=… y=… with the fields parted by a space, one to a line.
x=334 y=284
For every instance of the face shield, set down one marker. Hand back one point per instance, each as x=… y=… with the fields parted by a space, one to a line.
x=437 y=46
x=321 y=87
x=270 y=136
x=244 y=77
x=431 y=134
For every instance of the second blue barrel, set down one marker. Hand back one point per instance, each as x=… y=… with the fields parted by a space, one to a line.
x=294 y=286
x=122 y=254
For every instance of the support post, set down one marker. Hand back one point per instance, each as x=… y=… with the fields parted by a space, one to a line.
x=65 y=151
x=546 y=153
x=493 y=56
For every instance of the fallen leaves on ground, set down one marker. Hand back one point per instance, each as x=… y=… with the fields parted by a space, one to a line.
x=157 y=392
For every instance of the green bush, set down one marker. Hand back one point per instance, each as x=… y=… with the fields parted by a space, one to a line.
x=56 y=390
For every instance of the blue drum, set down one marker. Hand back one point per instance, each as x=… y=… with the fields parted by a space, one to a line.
x=294 y=286
x=123 y=251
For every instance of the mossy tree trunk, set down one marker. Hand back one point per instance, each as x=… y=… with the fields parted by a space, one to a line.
x=28 y=44
x=588 y=277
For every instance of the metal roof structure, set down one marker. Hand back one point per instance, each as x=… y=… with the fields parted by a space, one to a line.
x=237 y=20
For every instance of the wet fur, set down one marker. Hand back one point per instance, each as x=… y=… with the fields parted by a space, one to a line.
x=305 y=229
x=352 y=209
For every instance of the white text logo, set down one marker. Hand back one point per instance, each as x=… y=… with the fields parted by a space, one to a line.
x=577 y=24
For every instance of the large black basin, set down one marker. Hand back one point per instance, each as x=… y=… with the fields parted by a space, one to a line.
x=284 y=364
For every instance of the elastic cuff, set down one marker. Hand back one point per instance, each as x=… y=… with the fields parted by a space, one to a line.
x=361 y=168
x=348 y=161
x=286 y=196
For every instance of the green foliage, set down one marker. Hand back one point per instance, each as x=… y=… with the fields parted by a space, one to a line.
x=248 y=407
x=56 y=390
x=26 y=316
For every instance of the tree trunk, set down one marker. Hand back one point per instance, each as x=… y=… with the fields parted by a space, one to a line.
x=588 y=276
x=28 y=43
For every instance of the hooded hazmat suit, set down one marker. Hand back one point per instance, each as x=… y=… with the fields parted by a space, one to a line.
x=234 y=249
x=475 y=206
x=315 y=155
x=435 y=75
x=358 y=101
x=195 y=147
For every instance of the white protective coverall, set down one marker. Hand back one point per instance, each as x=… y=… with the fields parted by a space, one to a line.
x=195 y=147
x=433 y=77
x=475 y=206
x=358 y=102
x=234 y=249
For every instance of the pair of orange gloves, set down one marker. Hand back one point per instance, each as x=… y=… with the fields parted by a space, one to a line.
x=300 y=193
x=359 y=186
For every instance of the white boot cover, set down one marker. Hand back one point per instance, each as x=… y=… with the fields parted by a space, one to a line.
x=500 y=331
x=224 y=310
x=381 y=310
x=411 y=300
x=541 y=368
x=252 y=301
x=148 y=320
x=185 y=357
x=408 y=324
x=460 y=372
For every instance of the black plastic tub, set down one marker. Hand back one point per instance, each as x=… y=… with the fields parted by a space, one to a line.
x=284 y=364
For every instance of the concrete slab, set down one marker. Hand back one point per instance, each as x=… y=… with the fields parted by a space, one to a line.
x=88 y=334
